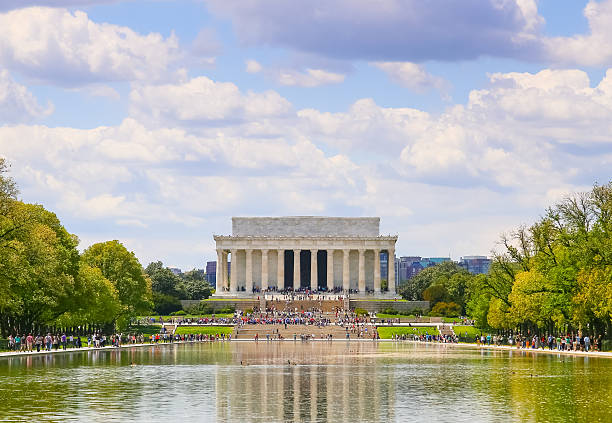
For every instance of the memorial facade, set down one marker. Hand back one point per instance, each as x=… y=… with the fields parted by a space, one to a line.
x=329 y=254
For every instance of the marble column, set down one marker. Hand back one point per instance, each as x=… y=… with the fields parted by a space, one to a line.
x=249 y=271
x=391 y=271
x=296 y=270
x=362 y=284
x=280 y=271
x=330 y=270
x=346 y=279
x=264 y=270
x=314 y=276
x=224 y=271
x=377 y=271
x=219 y=275
x=234 y=271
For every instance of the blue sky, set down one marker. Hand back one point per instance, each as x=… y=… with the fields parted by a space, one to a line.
x=154 y=122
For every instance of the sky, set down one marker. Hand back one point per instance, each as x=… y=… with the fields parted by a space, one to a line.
x=154 y=122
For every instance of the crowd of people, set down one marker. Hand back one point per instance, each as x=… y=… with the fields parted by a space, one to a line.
x=47 y=342
x=568 y=342
x=445 y=339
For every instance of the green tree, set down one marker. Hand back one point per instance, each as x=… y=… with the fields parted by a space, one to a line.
x=439 y=274
x=122 y=269
x=165 y=304
x=38 y=267
x=196 y=286
x=164 y=281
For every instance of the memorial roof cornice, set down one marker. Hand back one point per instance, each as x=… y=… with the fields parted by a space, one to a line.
x=289 y=238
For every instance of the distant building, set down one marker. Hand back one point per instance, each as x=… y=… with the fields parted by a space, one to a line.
x=384 y=266
x=211 y=273
x=410 y=266
x=176 y=271
x=438 y=260
x=475 y=264
x=404 y=268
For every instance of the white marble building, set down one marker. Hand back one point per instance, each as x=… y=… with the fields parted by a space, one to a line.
x=316 y=253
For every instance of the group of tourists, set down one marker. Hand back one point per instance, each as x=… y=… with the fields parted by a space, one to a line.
x=164 y=338
x=444 y=339
x=568 y=342
x=48 y=342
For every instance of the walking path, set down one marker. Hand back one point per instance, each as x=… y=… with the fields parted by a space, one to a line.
x=513 y=349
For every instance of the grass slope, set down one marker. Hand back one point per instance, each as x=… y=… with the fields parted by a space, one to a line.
x=204 y=330
x=388 y=332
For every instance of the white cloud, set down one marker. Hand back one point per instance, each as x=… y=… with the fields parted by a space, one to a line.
x=17 y=104
x=18 y=4
x=308 y=78
x=196 y=152
x=253 y=66
x=57 y=46
x=413 y=76
x=591 y=49
x=203 y=101
x=289 y=76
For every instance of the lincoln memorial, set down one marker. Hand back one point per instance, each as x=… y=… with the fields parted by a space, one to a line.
x=323 y=254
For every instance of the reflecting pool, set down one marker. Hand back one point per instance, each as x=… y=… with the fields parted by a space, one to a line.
x=305 y=381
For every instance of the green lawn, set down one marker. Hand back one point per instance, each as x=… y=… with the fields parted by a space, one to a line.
x=144 y=329
x=204 y=330
x=388 y=332
x=471 y=331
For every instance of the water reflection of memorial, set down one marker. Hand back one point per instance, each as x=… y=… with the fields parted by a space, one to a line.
x=296 y=382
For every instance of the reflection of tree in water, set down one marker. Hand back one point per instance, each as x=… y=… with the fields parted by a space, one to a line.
x=305 y=382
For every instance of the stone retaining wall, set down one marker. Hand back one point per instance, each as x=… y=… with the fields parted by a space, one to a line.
x=377 y=306
x=238 y=304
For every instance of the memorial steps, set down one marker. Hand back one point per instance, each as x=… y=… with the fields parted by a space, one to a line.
x=326 y=306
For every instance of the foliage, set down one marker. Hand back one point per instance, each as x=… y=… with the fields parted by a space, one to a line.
x=209 y=307
x=196 y=286
x=449 y=309
x=145 y=329
x=361 y=312
x=555 y=275
x=394 y=312
x=446 y=282
x=164 y=281
x=122 y=269
x=44 y=282
x=165 y=304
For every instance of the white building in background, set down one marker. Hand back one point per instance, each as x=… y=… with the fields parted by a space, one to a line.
x=333 y=254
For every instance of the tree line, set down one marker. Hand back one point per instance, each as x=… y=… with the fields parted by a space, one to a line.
x=46 y=284
x=554 y=276
x=169 y=288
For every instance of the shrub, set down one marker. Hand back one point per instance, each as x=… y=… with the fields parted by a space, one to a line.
x=201 y=308
x=164 y=304
x=361 y=312
x=449 y=309
x=179 y=313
